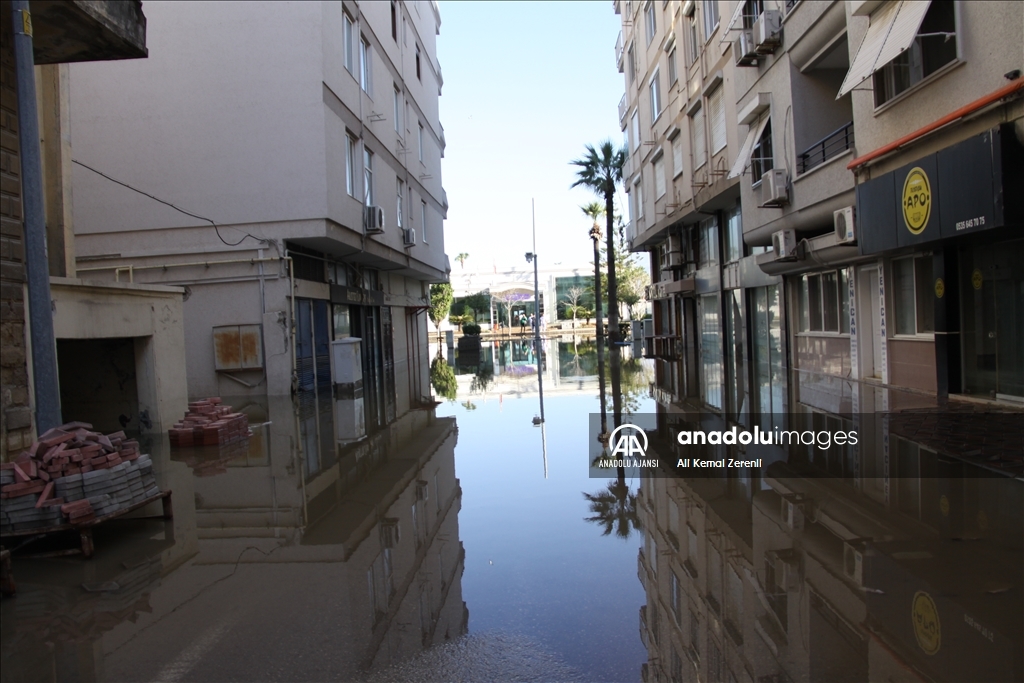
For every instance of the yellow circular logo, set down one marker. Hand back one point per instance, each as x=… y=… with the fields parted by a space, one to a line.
x=917 y=200
x=940 y=288
x=927 y=628
x=976 y=278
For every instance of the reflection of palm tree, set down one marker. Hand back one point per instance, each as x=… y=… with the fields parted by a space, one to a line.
x=461 y=258
x=614 y=508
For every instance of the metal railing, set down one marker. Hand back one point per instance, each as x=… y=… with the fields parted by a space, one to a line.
x=622 y=108
x=618 y=52
x=828 y=147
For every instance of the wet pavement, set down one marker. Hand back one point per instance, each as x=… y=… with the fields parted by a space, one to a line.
x=465 y=542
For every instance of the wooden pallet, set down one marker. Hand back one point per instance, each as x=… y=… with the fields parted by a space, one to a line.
x=84 y=529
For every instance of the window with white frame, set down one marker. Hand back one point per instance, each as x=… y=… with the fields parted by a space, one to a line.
x=677 y=156
x=367 y=176
x=423 y=219
x=399 y=198
x=639 y=189
x=650 y=22
x=673 y=74
x=632 y=206
x=716 y=112
x=625 y=142
x=934 y=47
x=692 y=39
x=710 y=9
x=350 y=165
x=698 y=143
x=419 y=140
x=655 y=88
x=659 y=178
x=912 y=297
x=365 y=67
x=762 y=159
x=823 y=302
x=632 y=63
x=349 y=44
x=634 y=124
x=398 y=110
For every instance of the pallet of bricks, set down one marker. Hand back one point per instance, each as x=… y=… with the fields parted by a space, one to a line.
x=73 y=475
x=208 y=423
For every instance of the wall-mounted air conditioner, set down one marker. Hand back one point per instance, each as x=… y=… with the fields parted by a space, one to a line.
x=744 y=49
x=774 y=188
x=409 y=237
x=675 y=243
x=843 y=222
x=373 y=219
x=648 y=328
x=768 y=31
x=792 y=512
x=784 y=245
x=675 y=259
x=853 y=564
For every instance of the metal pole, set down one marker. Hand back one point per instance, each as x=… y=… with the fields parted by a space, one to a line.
x=536 y=317
x=37 y=268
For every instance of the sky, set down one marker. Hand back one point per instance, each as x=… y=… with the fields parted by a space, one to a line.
x=526 y=87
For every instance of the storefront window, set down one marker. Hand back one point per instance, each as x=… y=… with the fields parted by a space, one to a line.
x=733 y=235
x=342 y=322
x=709 y=242
x=913 y=300
x=711 y=352
x=824 y=302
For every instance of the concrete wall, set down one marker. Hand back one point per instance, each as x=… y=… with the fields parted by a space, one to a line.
x=152 y=317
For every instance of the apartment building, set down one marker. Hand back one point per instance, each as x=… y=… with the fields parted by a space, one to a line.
x=301 y=147
x=785 y=270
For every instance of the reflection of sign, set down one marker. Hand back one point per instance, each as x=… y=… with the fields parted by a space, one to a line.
x=917 y=200
x=626 y=443
x=976 y=278
x=927 y=628
x=940 y=288
x=944 y=505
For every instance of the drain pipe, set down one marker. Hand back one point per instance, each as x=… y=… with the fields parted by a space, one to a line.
x=40 y=308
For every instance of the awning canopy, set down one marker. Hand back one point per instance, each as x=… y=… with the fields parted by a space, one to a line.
x=734 y=23
x=754 y=131
x=892 y=30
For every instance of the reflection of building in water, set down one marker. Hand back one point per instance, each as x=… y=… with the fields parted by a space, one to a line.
x=792 y=576
x=358 y=545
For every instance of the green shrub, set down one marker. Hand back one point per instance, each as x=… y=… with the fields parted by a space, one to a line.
x=471 y=329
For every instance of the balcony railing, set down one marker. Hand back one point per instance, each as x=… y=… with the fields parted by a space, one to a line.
x=618 y=52
x=830 y=146
x=622 y=108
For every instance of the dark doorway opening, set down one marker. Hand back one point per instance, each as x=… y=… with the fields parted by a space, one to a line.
x=98 y=383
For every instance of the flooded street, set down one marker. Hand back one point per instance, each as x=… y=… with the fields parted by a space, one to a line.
x=456 y=543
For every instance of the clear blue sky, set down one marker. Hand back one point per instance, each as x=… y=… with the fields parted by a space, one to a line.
x=526 y=86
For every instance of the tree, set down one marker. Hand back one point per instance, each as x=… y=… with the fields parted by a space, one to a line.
x=572 y=302
x=461 y=258
x=601 y=171
x=508 y=300
x=633 y=281
x=440 y=303
x=442 y=378
x=614 y=509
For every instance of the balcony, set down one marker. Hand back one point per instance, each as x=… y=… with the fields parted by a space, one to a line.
x=832 y=145
x=622 y=109
x=618 y=52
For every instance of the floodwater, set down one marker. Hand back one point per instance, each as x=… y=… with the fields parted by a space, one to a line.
x=465 y=541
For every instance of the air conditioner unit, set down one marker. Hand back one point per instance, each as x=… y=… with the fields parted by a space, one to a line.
x=853 y=564
x=675 y=259
x=784 y=245
x=744 y=49
x=774 y=188
x=787 y=569
x=648 y=328
x=793 y=513
x=648 y=292
x=373 y=219
x=675 y=244
x=768 y=31
x=390 y=533
x=409 y=236
x=842 y=221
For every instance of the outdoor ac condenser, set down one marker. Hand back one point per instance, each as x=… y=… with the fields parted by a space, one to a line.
x=347 y=363
x=843 y=223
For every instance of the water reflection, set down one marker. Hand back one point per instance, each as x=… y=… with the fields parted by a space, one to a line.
x=302 y=555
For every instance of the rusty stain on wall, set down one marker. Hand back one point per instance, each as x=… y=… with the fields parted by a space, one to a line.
x=237 y=347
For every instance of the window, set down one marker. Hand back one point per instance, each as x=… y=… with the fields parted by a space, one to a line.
x=419 y=141
x=698 y=144
x=677 y=599
x=716 y=111
x=761 y=158
x=912 y=295
x=367 y=176
x=673 y=75
x=934 y=47
x=365 y=68
x=659 y=178
x=677 y=157
x=394 y=20
x=419 y=74
x=693 y=40
x=398 y=110
x=399 y=198
x=708 y=242
x=752 y=9
x=694 y=634
x=632 y=64
x=349 y=45
x=423 y=220
x=655 y=96
x=650 y=22
x=733 y=235
x=712 y=388
x=634 y=124
x=350 y=165
x=824 y=302
x=639 y=189
x=710 y=8
x=342 y=322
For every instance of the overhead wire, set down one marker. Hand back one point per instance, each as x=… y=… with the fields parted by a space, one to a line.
x=216 y=228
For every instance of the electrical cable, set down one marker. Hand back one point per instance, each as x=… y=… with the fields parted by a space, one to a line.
x=216 y=228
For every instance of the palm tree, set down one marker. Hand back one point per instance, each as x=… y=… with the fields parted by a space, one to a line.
x=461 y=258
x=614 y=509
x=601 y=171
x=594 y=210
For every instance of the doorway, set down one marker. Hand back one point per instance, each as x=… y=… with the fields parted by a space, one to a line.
x=869 y=322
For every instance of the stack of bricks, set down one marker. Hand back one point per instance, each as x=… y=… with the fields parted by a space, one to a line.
x=47 y=482
x=207 y=423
